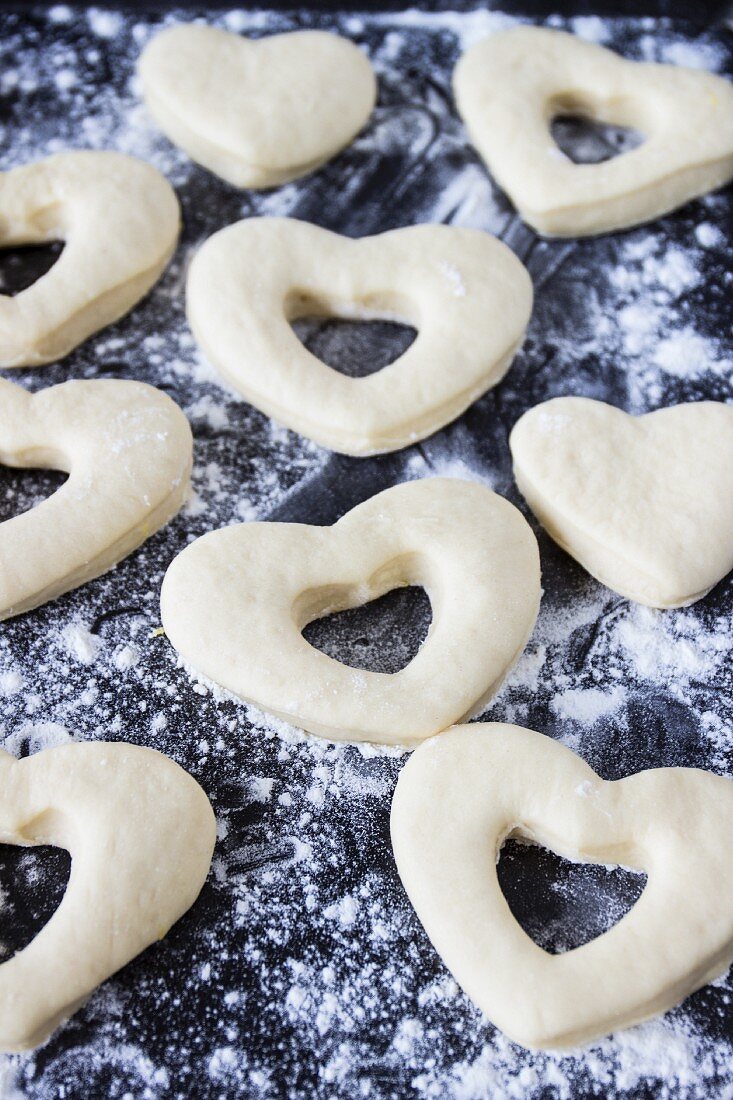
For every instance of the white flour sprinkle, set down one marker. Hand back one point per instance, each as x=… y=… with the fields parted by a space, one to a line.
x=80 y=643
x=587 y=704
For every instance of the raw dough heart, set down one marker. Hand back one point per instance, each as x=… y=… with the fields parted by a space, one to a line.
x=234 y=604
x=127 y=448
x=644 y=503
x=257 y=113
x=466 y=293
x=509 y=88
x=119 y=219
x=141 y=834
x=462 y=794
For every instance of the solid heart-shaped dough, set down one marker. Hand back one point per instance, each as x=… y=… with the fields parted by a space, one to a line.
x=462 y=794
x=119 y=221
x=127 y=449
x=234 y=604
x=644 y=503
x=140 y=832
x=257 y=113
x=512 y=85
x=467 y=294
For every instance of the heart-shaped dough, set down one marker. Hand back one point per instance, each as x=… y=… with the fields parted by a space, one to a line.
x=127 y=449
x=644 y=503
x=257 y=113
x=140 y=832
x=462 y=794
x=509 y=88
x=467 y=294
x=235 y=601
x=119 y=219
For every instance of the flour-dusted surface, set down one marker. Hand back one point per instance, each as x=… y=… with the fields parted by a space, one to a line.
x=302 y=971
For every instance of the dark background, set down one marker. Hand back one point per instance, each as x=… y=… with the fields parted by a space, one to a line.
x=705 y=14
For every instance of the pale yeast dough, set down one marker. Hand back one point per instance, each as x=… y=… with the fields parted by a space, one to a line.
x=141 y=834
x=127 y=449
x=119 y=220
x=509 y=88
x=464 y=291
x=644 y=503
x=462 y=794
x=235 y=601
x=257 y=113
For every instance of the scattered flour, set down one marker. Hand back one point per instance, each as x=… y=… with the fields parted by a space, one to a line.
x=588 y=704
x=81 y=643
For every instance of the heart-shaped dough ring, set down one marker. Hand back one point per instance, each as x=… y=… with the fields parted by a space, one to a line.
x=462 y=794
x=257 y=113
x=644 y=503
x=512 y=85
x=235 y=601
x=467 y=294
x=127 y=449
x=119 y=221
x=140 y=832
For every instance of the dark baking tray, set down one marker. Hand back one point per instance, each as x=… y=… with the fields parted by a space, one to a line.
x=301 y=970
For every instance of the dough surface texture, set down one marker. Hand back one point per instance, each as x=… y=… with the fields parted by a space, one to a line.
x=464 y=291
x=509 y=88
x=644 y=503
x=140 y=832
x=257 y=113
x=127 y=449
x=462 y=794
x=235 y=601
x=119 y=219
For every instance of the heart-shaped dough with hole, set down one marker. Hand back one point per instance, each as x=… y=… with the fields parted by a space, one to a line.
x=234 y=604
x=512 y=85
x=119 y=220
x=140 y=832
x=465 y=292
x=462 y=794
x=644 y=503
x=127 y=449
x=257 y=112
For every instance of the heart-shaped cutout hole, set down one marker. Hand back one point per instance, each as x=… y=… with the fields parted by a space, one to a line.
x=463 y=291
x=119 y=220
x=32 y=885
x=563 y=904
x=234 y=604
x=127 y=449
x=647 y=508
x=257 y=113
x=23 y=489
x=509 y=88
x=132 y=876
x=462 y=794
x=352 y=347
x=587 y=140
x=24 y=265
x=383 y=635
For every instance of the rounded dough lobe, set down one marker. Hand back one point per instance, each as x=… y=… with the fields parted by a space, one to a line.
x=127 y=449
x=234 y=604
x=462 y=794
x=141 y=834
x=257 y=113
x=509 y=88
x=464 y=291
x=119 y=220
x=645 y=503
